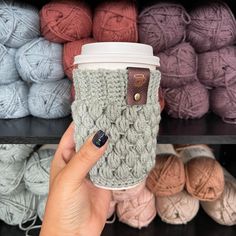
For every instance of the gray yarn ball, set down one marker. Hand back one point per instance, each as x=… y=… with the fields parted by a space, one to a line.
x=19 y=208
x=8 y=71
x=14 y=100
x=40 y=61
x=42 y=206
x=50 y=100
x=19 y=23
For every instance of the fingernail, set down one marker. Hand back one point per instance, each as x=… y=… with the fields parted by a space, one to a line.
x=99 y=139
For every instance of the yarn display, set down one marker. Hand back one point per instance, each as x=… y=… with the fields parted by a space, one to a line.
x=115 y=21
x=50 y=100
x=138 y=212
x=19 y=23
x=14 y=100
x=187 y=102
x=66 y=21
x=163 y=25
x=177 y=209
x=40 y=61
x=41 y=206
x=178 y=66
x=212 y=26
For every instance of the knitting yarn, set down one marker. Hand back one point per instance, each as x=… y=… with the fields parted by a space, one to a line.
x=177 y=209
x=187 y=102
x=138 y=212
x=66 y=21
x=41 y=206
x=178 y=66
x=115 y=21
x=71 y=50
x=40 y=61
x=16 y=209
x=50 y=100
x=11 y=153
x=72 y=93
x=19 y=23
x=212 y=26
x=163 y=25
x=161 y=99
x=14 y=100
x=112 y=209
x=217 y=68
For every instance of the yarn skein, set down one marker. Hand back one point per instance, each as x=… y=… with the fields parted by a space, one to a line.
x=163 y=25
x=115 y=21
x=50 y=100
x=188 y=102
x=212 y=26
x=177 y=209
x=19 y=23
x=178 y=66
x=66 y=21
x=14 y=100
x=40 y=61
x=138 y=212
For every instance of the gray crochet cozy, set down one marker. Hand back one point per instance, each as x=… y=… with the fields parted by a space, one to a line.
x=100 y=103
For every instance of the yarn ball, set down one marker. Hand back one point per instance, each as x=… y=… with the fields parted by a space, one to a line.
x=112 y=209
x=187 y=102
x=138 y=212
x=115 y=21
x=128 y=194
x=40 y=61
x=212 y=26
x=71 y=50
x=178 y=66
x=66 y=21
x=36 y=175
x=11 y=153
x=163 y=25
x=41 y=206
x=19 y=23
x=167 y=177
x=204 y=178
x=14 y=100
x=177 y=209
x=217 y=68
x=18 y=208
x=50 y=100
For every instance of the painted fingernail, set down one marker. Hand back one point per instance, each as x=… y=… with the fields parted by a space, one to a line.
x=99 y=139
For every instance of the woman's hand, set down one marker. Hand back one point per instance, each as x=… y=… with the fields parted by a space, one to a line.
x=75 y=207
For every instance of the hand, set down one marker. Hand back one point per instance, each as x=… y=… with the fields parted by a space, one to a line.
x=75 y=207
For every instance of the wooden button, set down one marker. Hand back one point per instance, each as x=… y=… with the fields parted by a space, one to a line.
x=137 y=97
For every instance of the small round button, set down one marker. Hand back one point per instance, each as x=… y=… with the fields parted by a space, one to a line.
x=137 y=97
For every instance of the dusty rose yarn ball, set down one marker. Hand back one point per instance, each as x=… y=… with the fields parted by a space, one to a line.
x=115 y=21
x=163 y=25
x=65 y=21
x=212 y=27
x=178 y=66
x=112 y=209
x=187 y=102
x=217 y=68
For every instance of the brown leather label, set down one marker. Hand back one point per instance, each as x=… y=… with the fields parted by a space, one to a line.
x=138 y=81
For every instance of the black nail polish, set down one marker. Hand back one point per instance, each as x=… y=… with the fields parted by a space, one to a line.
x=99 y=139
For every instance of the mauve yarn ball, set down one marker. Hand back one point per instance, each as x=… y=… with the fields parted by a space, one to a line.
x=187 y=102
x=14 y=100
x=212 y=26
x=40 y=61
x=217 y=68
x=163 y=25
x=112 y=209
x=50 y=100
x=178 y=66
x=19 y=23
x=8 y=71
x=66 y=21
x=115 y=21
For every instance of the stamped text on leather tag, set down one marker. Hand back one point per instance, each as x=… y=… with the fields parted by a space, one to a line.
x=138 y=81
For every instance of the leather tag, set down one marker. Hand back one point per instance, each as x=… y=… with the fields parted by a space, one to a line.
x=138 y=81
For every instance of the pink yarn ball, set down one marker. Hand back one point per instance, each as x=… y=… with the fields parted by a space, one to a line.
x=187 y=102
x=217 y=68
x=178 y=66
x=112 y=209
x=163 y=25
x=212 y=26
x=139 y=212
